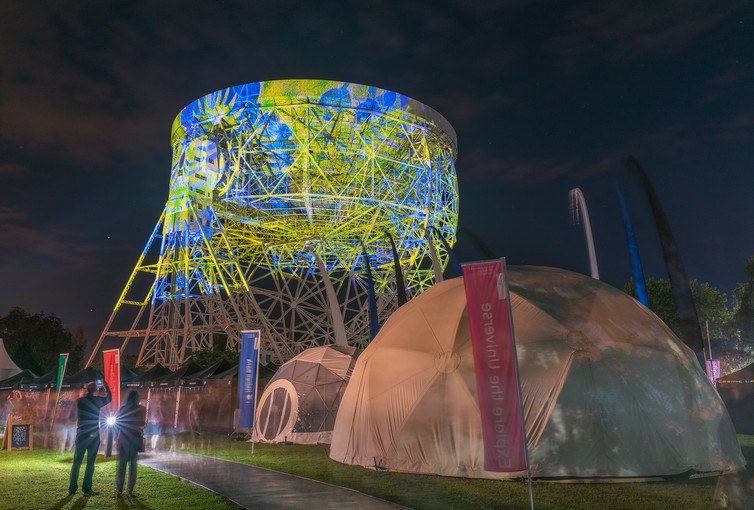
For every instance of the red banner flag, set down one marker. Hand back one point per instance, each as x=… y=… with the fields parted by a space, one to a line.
x=111 y=364
x=496 y=366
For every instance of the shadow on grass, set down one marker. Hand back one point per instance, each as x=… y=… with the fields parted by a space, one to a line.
x=101 y=459
x=127 y=502
x=62 y=502
x=124 y=503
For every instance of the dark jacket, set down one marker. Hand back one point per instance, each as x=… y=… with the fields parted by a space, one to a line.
x=130 y=423
x=88 y=408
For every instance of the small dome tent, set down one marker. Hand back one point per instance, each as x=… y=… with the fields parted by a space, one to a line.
x=301 y=400
x=608 y=390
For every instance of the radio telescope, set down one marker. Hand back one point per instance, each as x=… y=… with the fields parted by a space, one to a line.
x=281 y=193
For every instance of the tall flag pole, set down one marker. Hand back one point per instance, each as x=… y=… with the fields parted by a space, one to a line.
x=374 y=322
x=579 y=211
x=248 y=375
x=454 y=263
x=496 y=368
x=111 y=367
x=637 y=272
x=436 y=266
x=62 y=363
x=478 y=242
x=339 y=328
x=400 y=287
x=679 y=283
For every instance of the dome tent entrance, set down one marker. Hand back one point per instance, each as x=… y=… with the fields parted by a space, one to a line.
x=301 y=401
x=608 y=390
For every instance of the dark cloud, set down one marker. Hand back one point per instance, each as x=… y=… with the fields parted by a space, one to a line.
x=25 y=240
x=482 y=166
x=9 y=170
x=624 y=31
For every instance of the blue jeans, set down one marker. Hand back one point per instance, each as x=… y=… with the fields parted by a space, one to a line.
x=87 y=444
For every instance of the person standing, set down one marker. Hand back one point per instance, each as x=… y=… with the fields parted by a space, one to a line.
x=87 y=436
x=130 y=421
x=154 y=425
x=66 y=422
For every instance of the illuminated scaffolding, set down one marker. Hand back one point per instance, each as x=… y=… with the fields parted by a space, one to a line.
x=278 y=190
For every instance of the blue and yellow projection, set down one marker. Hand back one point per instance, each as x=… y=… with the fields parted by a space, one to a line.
x=273 y=181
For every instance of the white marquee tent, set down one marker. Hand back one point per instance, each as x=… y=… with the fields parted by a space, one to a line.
x=7 y=367
x=608 y=390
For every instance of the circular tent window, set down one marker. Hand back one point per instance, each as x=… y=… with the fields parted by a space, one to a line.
x=277 y=411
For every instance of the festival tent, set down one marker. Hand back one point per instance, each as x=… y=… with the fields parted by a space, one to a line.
x=128 y=374
x=7 y=367
x=300 y=402
x=187 y=369
x=608 y=390
x=42 y=382
x=266 y=373
x=737 y=391
x=81 y=378
x=201 y=376
x=147 y=377
x=12 y=382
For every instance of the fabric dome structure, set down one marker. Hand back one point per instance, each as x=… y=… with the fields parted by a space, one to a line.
x=301 y=401
x=608 y=390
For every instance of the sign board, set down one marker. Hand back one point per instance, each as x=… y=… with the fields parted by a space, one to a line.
x=713 y=370
x=19 y=433
x=247 y=376
x=111 y=367
x=495 y=365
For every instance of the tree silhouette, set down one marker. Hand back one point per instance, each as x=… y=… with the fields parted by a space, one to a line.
x=36 y=341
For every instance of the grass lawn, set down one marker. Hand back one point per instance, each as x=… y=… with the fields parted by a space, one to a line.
x=38 y=479
x=437 y=492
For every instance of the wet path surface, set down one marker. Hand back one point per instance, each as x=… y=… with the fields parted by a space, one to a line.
x=253 y=487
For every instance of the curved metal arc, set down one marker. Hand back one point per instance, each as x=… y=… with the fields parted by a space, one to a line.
x=339 y=328
x=679 y=283
x=374 y=325
x=436 y=266
x=400 y=286
x=579 y=208
x=637 y=271
x=451 y=254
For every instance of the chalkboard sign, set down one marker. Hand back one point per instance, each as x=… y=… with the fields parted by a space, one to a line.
x=20 y=436
x=19 y=433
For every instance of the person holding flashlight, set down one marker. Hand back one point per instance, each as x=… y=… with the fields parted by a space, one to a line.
x=87 y=435
x=130 y=422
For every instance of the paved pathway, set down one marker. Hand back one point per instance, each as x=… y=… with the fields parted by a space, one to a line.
x=253 y=487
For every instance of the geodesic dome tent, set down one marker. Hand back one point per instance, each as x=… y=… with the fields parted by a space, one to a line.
x=301 y=401
x=608 y=390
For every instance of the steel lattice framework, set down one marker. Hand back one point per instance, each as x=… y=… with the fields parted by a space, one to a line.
x=277 y=187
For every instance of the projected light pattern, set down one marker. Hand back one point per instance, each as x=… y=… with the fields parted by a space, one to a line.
x=266 y=175
x=328 y=162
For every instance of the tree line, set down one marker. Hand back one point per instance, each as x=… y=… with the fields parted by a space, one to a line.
x=730 y=325
x=35 y=341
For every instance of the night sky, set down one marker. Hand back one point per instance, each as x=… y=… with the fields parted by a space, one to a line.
x=544 y=97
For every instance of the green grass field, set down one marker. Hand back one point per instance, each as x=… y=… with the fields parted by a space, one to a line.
x=438 y=492
x=38 y=480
